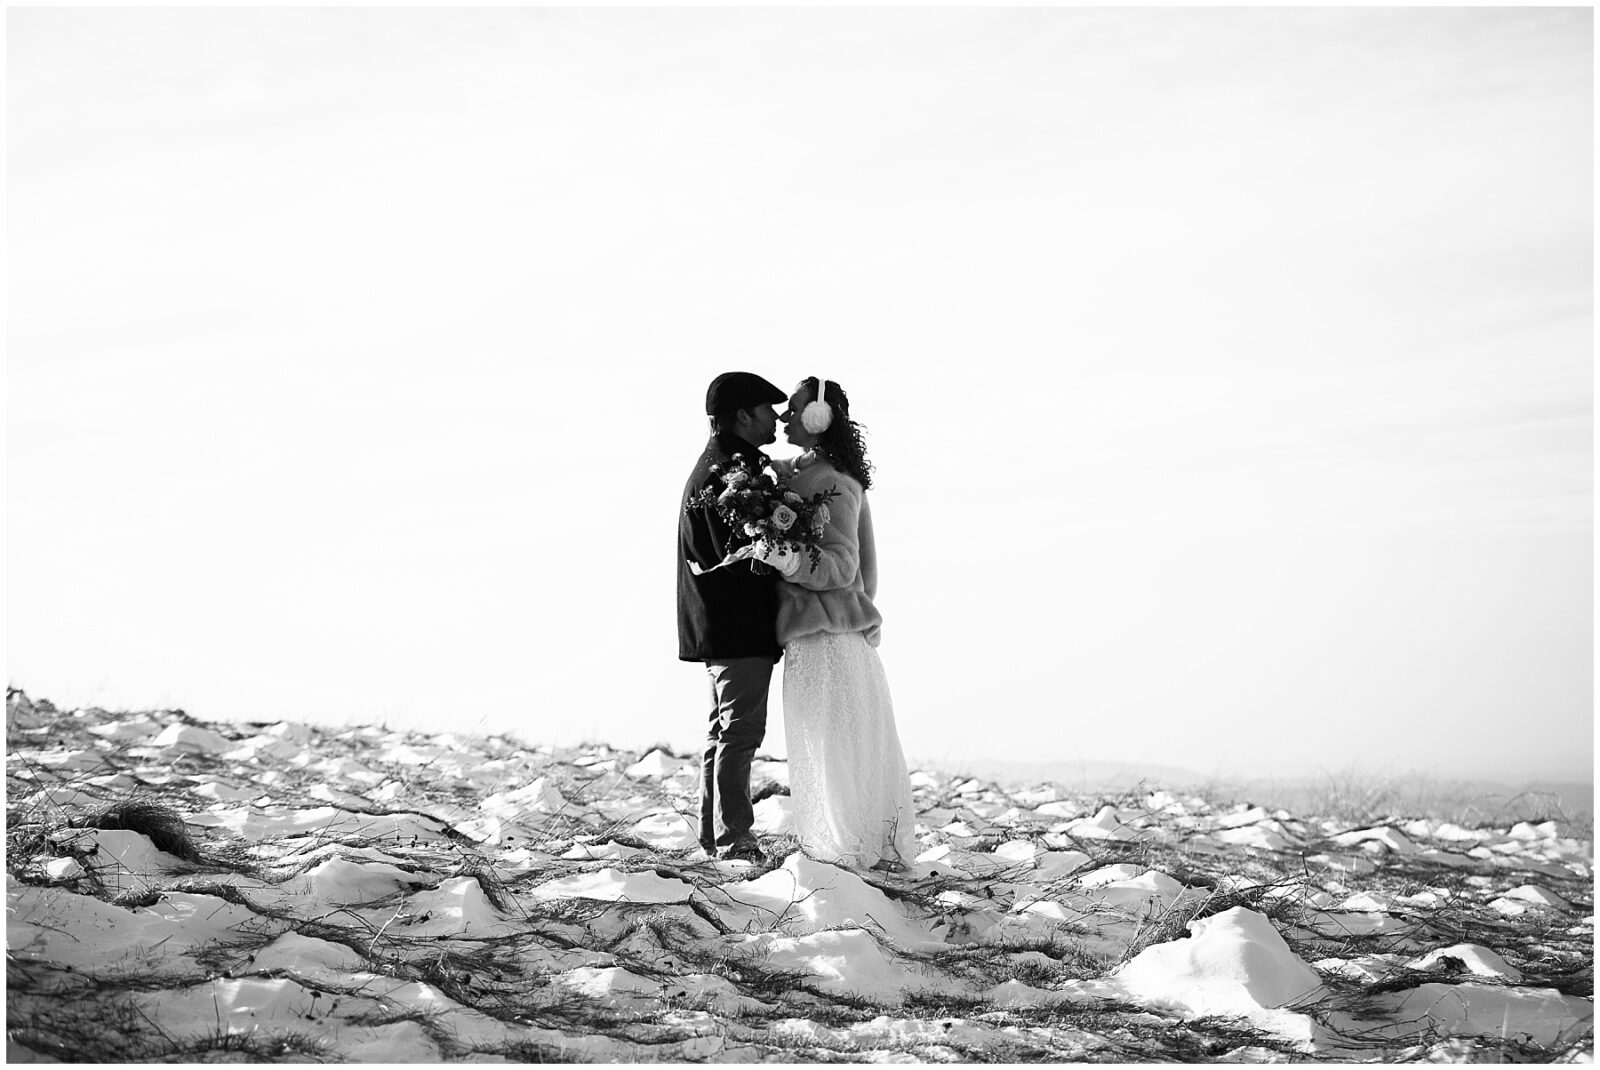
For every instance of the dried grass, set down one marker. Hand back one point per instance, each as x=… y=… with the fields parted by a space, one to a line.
x=494 y=976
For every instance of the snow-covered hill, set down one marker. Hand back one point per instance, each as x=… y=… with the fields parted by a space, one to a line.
x=193 y=891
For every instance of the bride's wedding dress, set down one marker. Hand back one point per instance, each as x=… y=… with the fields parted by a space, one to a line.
x=850 y=793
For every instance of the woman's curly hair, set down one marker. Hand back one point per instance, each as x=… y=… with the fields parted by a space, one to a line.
x=842 y=443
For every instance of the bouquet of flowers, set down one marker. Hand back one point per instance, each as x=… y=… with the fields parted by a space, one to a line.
x=763 y=507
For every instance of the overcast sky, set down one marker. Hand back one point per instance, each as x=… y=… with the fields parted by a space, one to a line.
x=1228 y=373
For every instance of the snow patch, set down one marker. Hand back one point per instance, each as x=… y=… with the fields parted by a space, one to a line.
x=613 y=885
x=774 y=815
x=840 y=961
x=190 y=738
x=1386 y=837
x=1477 y=959
x=667 y=829
x=1541 y=1015
x=1233 y=963
x=806 y=896
x=457 y=907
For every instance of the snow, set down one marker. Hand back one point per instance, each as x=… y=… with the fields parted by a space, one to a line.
x=1256 y=836
x=457 y=907
x=1106 y=824
x=1367 y=901
x=1016 y=851
x=1385 y=837
x=1150 y=888
x=1016 y=994
x=1532 y=893
x=1444 y=858
x=62 y=869
x=184 y=737
x=590 y=852
x=124 y=860
x=1342 y=924
x=1478 y=960
x=1343 y=863
x=1541 y=1015
x=265 y=748
x=126 y=731
x=1232 y=963
x=344 y=880
x=614 y=986
x=398 y=1042
x=768 y=771
x=228 y=792
x=657 y=765
x=774 y=816
x=563 y=888
x=667 y=829
x=538 y=797
x=616 y=886
x=1109 y=875
x=258 y=823
x=96 y=938
x=1428 y=897
x=1054 y=865
x=807 y=896
x=1249 y=816
x=843 y=961
x=309 y=958
x=1361 y=968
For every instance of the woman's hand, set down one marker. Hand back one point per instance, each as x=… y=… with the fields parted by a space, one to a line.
x=781 y=556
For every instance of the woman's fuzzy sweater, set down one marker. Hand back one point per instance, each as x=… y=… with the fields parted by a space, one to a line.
x=835 y=596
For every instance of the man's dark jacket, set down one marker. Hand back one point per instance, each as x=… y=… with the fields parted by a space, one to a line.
x=732 y=612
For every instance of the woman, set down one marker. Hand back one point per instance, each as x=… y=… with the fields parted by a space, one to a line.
x=847 y=774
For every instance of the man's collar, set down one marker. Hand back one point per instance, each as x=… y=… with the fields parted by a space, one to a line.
x=729 y=444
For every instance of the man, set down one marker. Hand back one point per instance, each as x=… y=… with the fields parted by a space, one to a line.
x=727 y=618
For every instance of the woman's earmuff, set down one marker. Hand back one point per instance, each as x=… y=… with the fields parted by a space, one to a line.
x=817 y=417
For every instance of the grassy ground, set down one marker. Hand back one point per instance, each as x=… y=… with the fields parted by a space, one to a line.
x=522 y=1012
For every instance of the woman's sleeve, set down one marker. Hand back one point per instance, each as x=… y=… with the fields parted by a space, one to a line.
x=841 y=552
x=867 y=547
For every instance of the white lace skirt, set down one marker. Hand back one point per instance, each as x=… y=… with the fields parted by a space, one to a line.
x=849 y=790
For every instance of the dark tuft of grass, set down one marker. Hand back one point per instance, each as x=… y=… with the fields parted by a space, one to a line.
x=475 y=865
x=163 y=825
x=135 y=898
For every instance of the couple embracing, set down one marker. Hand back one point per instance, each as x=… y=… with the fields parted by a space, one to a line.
x=812 y=605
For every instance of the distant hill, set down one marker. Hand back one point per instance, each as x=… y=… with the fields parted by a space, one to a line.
x=1079 y=775
x=1408 y=793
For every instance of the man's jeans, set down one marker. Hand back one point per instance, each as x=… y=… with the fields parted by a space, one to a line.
x=738 y=723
